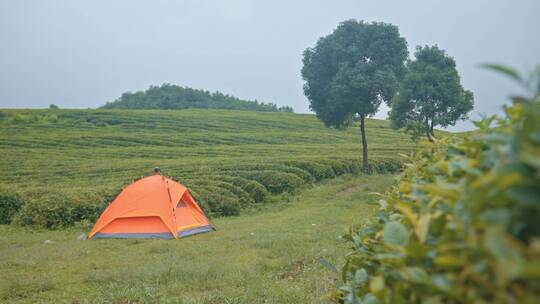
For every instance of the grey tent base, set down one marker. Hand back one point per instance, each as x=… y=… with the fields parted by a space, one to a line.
x=196 y=230
x=161 y=235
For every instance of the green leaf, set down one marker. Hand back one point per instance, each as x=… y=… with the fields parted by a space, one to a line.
x=397 y=256
x=441 y=282
x=416 y=250
x=438 y=224
x=394 y=233
x=422 y=227
x=328 y=265
x=415 y=275
x=376 y=284
x=406 y=210
x=350 y=295
x=433 y=300
x=499 y=216
x=531 y=270
x=499 y=244
x=370 y=299
x=383 y=204
x=448 y=261
x=361 y=277
x=508 y=71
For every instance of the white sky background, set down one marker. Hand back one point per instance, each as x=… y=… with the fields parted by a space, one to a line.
x=80 y=54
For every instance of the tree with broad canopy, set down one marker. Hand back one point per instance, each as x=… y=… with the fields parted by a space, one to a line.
x=430 y=94
x=350 y=72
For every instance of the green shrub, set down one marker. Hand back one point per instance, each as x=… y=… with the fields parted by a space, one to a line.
x=10 y=203
x=57 y=212
x=220 y=201
x=386 y=166
x=51 y=118
x=17 y=118
x=317 y=170
x=462 y=226
x=241 y=170
x=354 y=166
x=277 y=182
x=339 y=167
x=257 y=191
x=244 y=199
x=44 y=214
x=108 y=196
x=301 y=173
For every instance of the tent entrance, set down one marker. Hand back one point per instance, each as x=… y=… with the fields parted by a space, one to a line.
x=136 y=227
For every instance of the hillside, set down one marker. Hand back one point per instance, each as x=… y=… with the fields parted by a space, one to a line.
x=168 y=96
x=230 y=159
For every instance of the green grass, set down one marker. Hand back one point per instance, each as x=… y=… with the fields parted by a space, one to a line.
x=266 y=256
x=86 y=156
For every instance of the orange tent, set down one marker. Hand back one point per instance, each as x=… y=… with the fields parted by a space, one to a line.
x=152 y=207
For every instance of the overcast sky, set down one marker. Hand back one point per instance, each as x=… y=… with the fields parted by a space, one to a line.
x=79 y=54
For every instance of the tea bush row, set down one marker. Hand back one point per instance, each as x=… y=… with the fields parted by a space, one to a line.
x=221 y=194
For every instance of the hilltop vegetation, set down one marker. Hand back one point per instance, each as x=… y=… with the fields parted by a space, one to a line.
x=169 y=96
x=66 y=165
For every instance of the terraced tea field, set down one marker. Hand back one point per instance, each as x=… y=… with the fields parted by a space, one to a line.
x=230 y=159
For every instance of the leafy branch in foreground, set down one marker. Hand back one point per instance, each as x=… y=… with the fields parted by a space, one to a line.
x=531 y=83
x=462 y=224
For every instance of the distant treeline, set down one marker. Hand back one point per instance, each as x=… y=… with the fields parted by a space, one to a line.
x=169 y=96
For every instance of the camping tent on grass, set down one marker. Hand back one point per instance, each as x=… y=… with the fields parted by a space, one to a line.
x=152 y=207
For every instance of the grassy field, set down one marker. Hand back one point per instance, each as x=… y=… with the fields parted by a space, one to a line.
x=83 y=157
x=268 y=256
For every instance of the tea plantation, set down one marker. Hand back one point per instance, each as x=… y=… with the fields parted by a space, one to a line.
x=63 y=166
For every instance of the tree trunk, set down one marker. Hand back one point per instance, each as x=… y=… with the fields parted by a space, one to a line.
x=364 y=144
x=431 y=129
x=428 y=131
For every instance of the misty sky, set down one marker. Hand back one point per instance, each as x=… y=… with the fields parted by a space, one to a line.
x=80 y=54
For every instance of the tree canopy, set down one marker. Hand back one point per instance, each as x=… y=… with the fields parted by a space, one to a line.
x=351 y=71
x=431 y=94
x=169 y=96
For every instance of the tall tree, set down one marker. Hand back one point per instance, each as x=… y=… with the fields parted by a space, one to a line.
x=430 y=94
x=351 y=71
